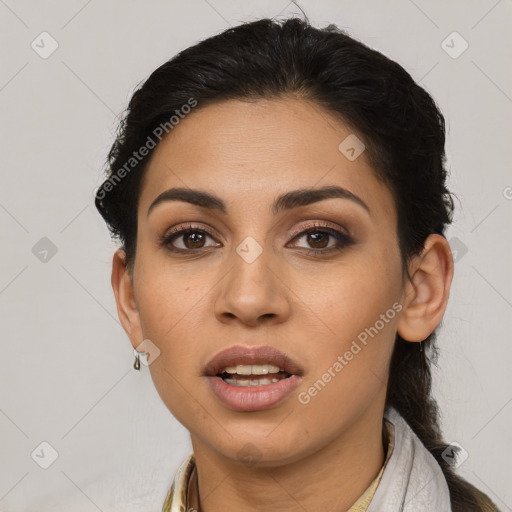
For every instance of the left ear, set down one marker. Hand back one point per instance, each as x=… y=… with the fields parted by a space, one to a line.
x=426 y=292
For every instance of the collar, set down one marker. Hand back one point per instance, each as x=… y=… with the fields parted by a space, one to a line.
x=413 y=481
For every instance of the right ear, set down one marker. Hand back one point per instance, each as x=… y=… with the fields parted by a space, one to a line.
x=122 y=284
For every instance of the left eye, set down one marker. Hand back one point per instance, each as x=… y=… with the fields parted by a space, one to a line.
x=324 y=238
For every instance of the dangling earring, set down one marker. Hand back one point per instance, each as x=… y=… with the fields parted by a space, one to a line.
x=421 y=348
x=136 y=364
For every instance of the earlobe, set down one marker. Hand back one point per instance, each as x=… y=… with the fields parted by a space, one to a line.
x=426 y=292
x=122 y=284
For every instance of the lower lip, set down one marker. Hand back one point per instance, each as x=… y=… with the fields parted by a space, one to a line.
x=253 y=398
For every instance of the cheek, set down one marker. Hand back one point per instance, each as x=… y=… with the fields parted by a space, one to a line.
x=345 y=299
x=167 y=296
x=357 y=312
x=353 y=362
x=350 y=373
x=171 y=308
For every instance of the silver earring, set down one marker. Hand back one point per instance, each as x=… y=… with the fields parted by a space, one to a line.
x=136 y=364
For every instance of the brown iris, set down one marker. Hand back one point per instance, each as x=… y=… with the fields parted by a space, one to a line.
x=196 y=240
x=316 y=241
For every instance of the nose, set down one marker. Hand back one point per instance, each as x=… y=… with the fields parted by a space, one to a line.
x=253 y=293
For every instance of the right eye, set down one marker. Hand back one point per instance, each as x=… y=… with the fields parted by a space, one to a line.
x=188 y=239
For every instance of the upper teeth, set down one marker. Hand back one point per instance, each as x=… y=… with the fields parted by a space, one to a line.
x=252 y=369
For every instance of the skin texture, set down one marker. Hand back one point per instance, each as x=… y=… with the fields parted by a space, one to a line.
x=316 y=456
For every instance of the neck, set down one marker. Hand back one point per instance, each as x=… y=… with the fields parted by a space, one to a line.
x=331 y=478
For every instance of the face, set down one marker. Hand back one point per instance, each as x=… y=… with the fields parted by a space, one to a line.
x=315 y=276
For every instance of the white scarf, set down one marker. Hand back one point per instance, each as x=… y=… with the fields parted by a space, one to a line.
x=412 y=480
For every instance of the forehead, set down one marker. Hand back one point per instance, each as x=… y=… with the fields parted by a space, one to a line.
x=254 y=150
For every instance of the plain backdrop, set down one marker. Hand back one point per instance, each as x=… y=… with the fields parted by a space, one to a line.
x=66 y=372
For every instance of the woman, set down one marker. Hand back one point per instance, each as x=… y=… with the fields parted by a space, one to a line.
x=279 y=195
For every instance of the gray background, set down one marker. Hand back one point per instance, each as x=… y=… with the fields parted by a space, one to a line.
x=66 y=368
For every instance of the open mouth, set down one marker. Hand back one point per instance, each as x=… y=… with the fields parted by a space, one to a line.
x=253 y=375
x=252 y=378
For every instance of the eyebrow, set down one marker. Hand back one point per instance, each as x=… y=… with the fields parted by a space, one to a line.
x=287 y=201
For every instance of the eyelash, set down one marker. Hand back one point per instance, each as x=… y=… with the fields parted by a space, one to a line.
x=343 y=240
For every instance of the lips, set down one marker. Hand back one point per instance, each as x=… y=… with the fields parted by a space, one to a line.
x=235 y=392
x=240 y=355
